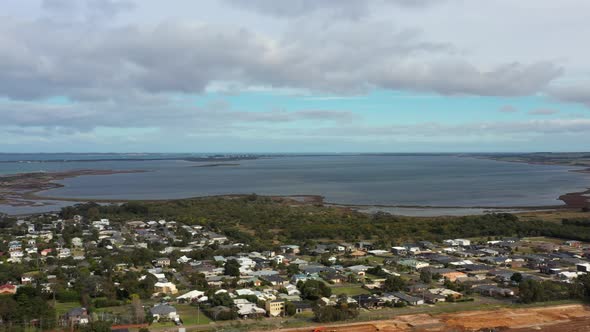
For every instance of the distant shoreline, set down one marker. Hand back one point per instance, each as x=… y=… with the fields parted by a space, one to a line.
x=216 y=165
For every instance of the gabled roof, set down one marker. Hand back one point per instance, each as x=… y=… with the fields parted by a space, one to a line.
x=162 y=309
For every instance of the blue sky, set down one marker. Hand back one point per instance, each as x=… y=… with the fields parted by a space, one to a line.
x=296 y=76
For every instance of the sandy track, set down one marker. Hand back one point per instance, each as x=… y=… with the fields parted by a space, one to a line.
x=549 y=319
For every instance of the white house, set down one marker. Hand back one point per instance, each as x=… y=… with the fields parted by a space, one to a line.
x=77 y=242
x=191 y=296
x=64 y=253
x=463 y=242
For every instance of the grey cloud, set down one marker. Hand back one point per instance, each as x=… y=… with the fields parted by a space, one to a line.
x=460 y=77
x=89 y=10
x=344 y=8
x=543 y=111
x=508 y=109
x=42 y=59
x=218 y=115
x=431 y=131
x=575 y=93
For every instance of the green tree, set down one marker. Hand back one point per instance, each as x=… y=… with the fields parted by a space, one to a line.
x=425 y=276
x=516 y=277
x=290 y=308
x=394 y=284
x=221 y=299
x=232 y=268
x=314 y=289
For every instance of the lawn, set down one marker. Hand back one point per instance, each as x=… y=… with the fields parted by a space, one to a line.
x=544 y=239
x=350 y=290
x=190 y=316
x=122 y=309
x=376 y=259
x=62 y=308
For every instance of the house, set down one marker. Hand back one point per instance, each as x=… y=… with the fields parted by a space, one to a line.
x=77 y=242
x=278 y=259
x=400 y=251
x=16 y=255
x=451 y=243
x=472 y=269
x=501 y=275
x=292 y=290
x=491 y=290
x=165 y=288
x=275 y=308
x=364 y=245
x=411 y=300
x=369 y=301
x=253 y=280
x=413 y=249
x=359 y=270
x=412 y=263
x=214 y=237
x=183 y=260
x=453 y=275
x=164 y=311
x=358 y=253
x=446 y=293
x=290 y=249
x=333 y=277
x=573 y=243
x=7 y=289
x=583 y=267
x=190 y=296
x=163 y=261
x=389 y=298
x=496 y=260
x=463 y=242
x=302 y=306
x=426 y=245
x=64 y=253
x=433 y=298
x=568 y=276
x=275 y=280
x=303 y=277
x=247 y=309
x=27 y=279
x=76 y=317
x=417 y=288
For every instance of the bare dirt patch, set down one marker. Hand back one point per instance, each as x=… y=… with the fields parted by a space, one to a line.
x=557 y=318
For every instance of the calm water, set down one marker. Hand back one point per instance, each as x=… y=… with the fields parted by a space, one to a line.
x=385 y=180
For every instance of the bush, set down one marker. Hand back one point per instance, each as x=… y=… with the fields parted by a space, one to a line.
x=333 y=314
x=104 y=302
x=400 y=304
x=67 y=296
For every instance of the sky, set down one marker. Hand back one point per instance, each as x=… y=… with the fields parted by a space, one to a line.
x=294 y=76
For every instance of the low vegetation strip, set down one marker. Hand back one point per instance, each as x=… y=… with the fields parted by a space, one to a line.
x=263 y=221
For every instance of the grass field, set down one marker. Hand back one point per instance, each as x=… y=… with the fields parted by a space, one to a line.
x=350 y=290
x=190 y=316
x=553 y=216
x=62 y=308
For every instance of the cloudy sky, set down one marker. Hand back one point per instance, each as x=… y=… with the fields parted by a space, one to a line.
x=294 y=76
